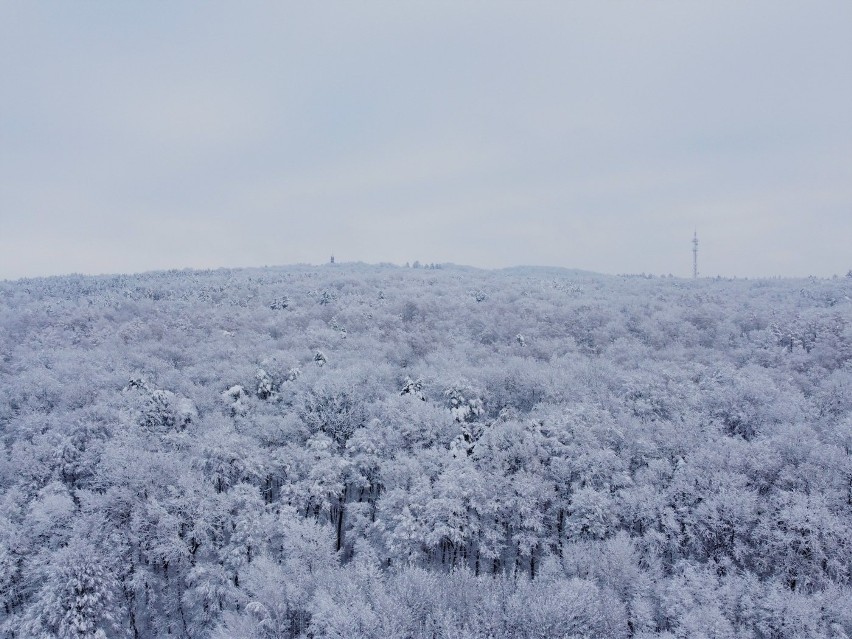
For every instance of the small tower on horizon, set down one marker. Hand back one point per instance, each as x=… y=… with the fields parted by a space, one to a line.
x=332 y=259
x=695 y=255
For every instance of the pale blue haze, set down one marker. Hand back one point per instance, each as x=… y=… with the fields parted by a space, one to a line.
x=593 y=135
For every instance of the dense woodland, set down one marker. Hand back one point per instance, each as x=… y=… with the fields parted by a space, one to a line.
x=376 y=451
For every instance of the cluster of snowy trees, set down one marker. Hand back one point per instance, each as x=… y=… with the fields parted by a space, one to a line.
x=356 y=451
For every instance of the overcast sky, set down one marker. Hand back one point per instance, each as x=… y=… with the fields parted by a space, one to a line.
x=588 y=134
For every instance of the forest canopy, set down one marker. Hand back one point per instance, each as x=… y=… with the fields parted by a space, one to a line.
x=378 y=451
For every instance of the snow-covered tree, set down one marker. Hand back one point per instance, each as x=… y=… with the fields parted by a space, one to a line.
x=76 y=598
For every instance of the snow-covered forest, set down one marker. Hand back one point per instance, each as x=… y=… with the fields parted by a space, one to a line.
x=375 y=451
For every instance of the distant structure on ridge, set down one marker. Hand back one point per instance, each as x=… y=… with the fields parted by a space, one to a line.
x=332 y=259
x=695 y=255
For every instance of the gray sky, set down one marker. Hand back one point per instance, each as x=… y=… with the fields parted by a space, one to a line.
x=595 y=135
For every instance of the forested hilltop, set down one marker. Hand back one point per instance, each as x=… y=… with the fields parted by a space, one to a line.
x=374 y=451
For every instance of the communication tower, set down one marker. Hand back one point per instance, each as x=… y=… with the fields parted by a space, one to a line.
x=695 y=255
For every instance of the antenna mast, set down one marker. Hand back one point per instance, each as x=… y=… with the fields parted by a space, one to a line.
x=695 y=255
